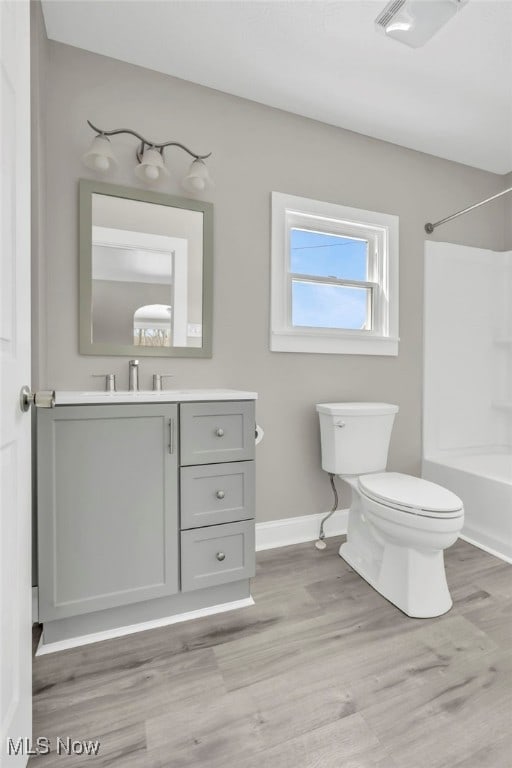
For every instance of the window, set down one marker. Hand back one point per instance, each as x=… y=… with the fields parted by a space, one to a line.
x=334 y=278
x=152 y=326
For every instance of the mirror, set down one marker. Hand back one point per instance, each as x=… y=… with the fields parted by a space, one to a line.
x=145 y=273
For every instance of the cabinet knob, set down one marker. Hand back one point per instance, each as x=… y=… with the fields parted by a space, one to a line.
x=220 y=494
x=219 y=432
x=220 y=556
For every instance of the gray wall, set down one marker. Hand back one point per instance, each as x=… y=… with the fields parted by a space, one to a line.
x=256 y=149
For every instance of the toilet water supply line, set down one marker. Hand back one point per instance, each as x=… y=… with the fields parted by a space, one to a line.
x=320 y=543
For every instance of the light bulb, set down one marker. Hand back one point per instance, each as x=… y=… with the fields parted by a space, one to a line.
x=99 y=156
x=152 y=172
x=197 y=183
x=101 y=163
x=197 y=178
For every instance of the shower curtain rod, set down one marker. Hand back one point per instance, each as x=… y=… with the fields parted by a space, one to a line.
x=429 y=228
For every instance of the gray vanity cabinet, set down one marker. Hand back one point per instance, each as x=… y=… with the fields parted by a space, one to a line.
x=108 y=507
x=145 y=511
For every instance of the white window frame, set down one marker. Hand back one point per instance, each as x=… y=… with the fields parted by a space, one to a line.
x=381 y=231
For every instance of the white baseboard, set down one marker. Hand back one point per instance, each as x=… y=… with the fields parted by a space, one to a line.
x=276 y=533
x=35 y=605
x=108 y=634
x=485 y=548
x=296 y=530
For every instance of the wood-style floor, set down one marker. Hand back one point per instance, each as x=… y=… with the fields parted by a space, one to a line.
x=321 y=673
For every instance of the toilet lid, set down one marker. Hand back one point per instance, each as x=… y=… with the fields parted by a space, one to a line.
x=411 y=494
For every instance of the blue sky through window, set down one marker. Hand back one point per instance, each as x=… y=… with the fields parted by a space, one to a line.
x=321 y=305
x=325 y=255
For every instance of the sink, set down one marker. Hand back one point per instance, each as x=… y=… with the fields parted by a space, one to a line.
x=81 y=397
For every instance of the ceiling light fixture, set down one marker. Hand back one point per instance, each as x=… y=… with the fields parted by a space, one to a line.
x=413 y=22
x=150 y=156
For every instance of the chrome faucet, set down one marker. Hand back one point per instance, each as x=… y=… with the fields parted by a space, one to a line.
x=133 y=375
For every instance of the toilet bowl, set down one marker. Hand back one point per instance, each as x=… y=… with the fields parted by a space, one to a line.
x=399 y=525
x=396 y=539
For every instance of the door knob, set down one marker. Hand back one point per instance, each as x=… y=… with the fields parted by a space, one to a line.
x=42 y=399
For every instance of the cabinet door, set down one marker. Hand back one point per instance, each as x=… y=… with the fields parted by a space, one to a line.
x=108 y=507
x=216 y=431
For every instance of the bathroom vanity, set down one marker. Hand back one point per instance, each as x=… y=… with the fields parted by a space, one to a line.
x=145 y=507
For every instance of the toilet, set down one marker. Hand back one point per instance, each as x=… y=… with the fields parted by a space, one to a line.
x=398 y=525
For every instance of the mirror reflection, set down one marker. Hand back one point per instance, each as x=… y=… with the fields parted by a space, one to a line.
x=147 y=275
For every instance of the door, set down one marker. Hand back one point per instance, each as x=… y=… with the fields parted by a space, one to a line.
x=15 y=473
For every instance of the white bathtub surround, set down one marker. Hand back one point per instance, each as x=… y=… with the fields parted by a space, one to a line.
x=484 y=482
x=467 y=411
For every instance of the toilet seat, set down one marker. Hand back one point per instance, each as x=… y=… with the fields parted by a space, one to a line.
x=411 y=495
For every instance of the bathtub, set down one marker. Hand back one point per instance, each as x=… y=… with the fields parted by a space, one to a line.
x=484 y=483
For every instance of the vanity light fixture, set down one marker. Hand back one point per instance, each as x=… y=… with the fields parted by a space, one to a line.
x=150 y=155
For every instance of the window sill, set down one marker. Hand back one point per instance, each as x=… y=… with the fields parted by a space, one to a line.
x=293 y=341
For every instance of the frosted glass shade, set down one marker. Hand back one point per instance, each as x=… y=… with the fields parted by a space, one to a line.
x=151 y=168
x=197 y=177
x=99 y=156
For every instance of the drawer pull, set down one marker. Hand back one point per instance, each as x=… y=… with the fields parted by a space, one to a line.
x=171 y=435
x=219 y=432
x=220 y=556
x=220 y=494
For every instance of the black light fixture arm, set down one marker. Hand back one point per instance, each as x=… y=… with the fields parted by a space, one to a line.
x=145 y=143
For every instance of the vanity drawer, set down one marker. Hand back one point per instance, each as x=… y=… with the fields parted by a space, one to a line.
x=216 y=555
x=217 y=493
x=216 y=432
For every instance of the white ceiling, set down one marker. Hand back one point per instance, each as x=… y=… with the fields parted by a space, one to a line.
x=322 y=59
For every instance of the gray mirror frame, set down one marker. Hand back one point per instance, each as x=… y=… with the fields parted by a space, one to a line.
x=86 y=346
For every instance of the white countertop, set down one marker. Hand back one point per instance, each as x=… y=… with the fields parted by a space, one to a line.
x=149 y=396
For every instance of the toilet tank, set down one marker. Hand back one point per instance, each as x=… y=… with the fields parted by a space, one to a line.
x=355 y=436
